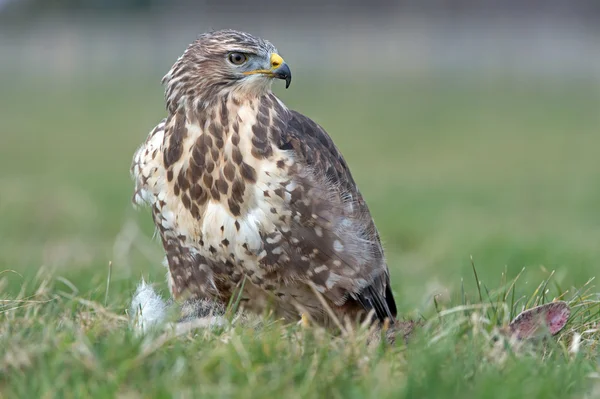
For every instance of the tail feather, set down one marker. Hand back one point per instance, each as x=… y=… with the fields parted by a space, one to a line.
x=383 y=304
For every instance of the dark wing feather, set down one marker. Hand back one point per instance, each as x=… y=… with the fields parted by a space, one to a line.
x=343 y=213
x=384 y=306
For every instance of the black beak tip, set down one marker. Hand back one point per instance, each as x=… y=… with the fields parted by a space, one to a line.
x=283 y=72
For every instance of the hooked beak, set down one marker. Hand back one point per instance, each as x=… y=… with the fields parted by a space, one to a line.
x=283 y=72
x=279 y=70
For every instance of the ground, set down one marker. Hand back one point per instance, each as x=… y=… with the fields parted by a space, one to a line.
x=498 y=176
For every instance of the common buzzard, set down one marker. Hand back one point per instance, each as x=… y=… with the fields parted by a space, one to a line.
x=246 y=192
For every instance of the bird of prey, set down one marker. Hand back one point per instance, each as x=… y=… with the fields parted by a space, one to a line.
x=245 y=192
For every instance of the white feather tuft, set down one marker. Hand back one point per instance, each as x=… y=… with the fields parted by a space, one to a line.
x=148 y=309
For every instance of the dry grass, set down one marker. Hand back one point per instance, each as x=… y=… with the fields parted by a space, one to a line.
x=76 y=346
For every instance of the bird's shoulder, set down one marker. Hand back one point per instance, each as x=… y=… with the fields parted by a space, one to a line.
x=313 y=147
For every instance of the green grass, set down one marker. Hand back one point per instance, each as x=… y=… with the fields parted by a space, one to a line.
x=501 y=172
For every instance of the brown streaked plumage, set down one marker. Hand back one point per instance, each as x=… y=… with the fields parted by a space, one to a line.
x=241 y=186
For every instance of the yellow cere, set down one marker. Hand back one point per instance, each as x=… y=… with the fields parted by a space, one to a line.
x=276 y=62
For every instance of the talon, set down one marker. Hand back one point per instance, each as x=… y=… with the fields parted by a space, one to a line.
x=386 y=324
x=304 y=320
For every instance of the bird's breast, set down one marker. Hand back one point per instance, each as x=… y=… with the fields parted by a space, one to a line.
x=226 y=192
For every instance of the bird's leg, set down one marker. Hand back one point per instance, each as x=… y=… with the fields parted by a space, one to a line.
x=149 y=310
x=201 y=308
x=304 y=320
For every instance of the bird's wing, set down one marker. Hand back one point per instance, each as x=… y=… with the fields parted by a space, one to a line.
x=331 y=221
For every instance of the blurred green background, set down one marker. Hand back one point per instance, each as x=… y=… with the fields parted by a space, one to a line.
x=470 y=131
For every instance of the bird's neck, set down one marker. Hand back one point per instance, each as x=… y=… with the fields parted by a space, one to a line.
x=203 y=98
x=222 y=115
x=226 y=108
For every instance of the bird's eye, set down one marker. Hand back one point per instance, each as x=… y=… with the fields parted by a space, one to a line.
x=237 y=58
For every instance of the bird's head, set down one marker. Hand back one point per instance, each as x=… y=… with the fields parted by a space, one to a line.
x=225 y=60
